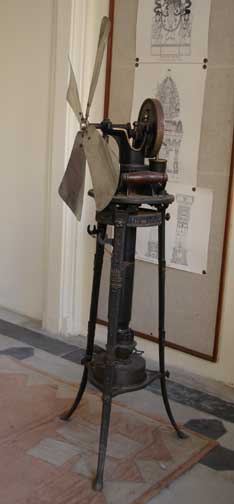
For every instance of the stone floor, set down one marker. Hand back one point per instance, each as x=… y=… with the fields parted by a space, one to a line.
x=209 y=482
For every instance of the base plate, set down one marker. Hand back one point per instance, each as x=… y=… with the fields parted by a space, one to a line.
x=129 y=375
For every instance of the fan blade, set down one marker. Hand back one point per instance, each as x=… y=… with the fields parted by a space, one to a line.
x=104 y=167
x=73 y=96
x=103 y=37
x=71 y=188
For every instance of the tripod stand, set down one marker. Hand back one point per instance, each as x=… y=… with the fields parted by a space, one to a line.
x=121 y=368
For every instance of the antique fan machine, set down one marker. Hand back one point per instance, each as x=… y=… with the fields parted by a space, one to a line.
x=120 y=187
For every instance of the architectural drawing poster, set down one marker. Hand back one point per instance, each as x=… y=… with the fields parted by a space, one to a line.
x=187 y=231
x=172 y=30
x=181 y=93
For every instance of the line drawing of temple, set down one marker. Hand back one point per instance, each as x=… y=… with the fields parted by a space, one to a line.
x=168 y=95
x=180 y=249
x=171 y=28
x=152 y=245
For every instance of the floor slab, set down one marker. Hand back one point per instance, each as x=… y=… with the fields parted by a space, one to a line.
x=199 y=485
x=203 y=483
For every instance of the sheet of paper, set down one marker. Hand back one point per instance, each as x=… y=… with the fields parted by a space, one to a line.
x=180 y=89
x=165 y=32
x=187 y=232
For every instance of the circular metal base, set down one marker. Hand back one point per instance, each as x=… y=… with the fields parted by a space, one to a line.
x=132 y=371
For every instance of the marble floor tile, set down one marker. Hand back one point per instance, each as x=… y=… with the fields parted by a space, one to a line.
x=199 y=485
x=152 y=404
x=119 y=446
x=35 y=378
x=8 y=342
x=227 y=440
x=56 y=366
x=75 y=356
x=123 y=492
x=86 y=466
x=54 y=452
x=195 y=398
x=211 y=428
x=66 y=392
x=19 y=353
x=219 y=459
x=202 y=484
x=35 y=338
x=9 y=366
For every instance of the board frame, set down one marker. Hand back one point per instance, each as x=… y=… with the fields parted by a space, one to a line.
x=150 y=337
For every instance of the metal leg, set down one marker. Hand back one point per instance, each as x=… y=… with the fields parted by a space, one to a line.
x=161 y=305
x=98 y=262
x=105 y=423
x=83 y=383
x=116 y=283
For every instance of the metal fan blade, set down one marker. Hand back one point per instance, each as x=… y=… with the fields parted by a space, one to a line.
x=71 y=188
x=104 y=167
x=73 y=96
x=103 y=37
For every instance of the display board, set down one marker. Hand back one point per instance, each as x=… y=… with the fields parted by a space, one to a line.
x=187 y=61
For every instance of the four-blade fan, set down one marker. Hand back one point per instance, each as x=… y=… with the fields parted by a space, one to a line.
x=89 y=145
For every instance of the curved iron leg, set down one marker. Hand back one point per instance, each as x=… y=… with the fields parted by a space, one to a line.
x=105 y=423
x=116 y=284
x=98 y=261
x=161 y=306
x=78 y=398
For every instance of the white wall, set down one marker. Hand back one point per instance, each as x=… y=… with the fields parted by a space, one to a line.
x=69 y=248
x=25 y=52
x=55 y=236
x=46 y=256
x=96 y=10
